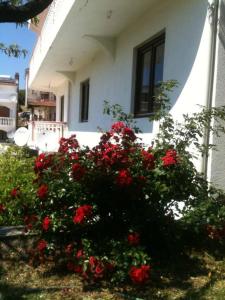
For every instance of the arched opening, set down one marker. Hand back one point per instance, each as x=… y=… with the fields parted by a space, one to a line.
x=4 y=112
x=3 y=135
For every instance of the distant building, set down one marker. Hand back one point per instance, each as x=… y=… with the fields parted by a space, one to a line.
x=8 y=104
x=41 y=104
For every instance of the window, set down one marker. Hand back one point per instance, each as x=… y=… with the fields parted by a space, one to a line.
x=84 y=100
x=45 y=96
x=149 y=73
x=62 y=109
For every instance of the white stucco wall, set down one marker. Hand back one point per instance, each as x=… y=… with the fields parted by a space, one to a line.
x=216 y=166
x=186 y=60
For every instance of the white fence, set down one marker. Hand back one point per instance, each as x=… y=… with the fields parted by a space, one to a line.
x=45 y=135
x=7 y=124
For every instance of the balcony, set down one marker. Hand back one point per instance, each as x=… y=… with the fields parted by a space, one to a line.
x=74 y=32
x=7 y=124
x=54 y=19
x=41 y=102
x=45 y=135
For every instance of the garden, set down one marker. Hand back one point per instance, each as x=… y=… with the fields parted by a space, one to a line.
x=121 y=220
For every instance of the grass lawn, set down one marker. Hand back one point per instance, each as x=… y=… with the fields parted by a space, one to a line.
x=196 y=276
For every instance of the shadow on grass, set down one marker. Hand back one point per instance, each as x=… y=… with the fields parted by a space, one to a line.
x=12 y=292
x=196 y=294
x=168 y=276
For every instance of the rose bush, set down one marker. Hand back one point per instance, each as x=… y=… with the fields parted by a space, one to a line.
x=106 y=209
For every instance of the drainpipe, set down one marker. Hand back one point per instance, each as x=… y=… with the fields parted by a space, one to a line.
x=213 y=19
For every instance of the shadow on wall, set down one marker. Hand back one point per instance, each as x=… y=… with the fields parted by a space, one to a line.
x=185 y=50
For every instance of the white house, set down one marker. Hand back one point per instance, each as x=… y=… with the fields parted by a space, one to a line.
x=89 y=51
x=8 y=104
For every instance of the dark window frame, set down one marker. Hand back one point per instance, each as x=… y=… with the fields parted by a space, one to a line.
x=148 y=46
x=62 y=107
x=84 y=100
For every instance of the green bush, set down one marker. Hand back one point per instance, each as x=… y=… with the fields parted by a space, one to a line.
x=16 y=184
x=106 y=211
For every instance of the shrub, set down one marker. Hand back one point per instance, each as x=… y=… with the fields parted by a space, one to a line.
x=16 y=176
x=104 y=211
x=108 y=207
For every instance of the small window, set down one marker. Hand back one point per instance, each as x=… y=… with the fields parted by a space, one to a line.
x=45 y=96
x=62 y=108
x=149 y=74
x=84 y=100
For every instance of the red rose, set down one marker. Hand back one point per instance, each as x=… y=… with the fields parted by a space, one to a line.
x=42 y=191
x=74 y=156
x=68 y=144
x=148 y=159
x=99 y=271
x=124 y=178
x=80 y=253
x=2 y=208
x=133 y=239
x=170 y=158
x=139 y=275
x=78 y=218
x=129 y=133
x=118 y=126
x=15 y=192
x=46 y=223
x=42 y=245
x=82 y=213
x=93 y=261
x=69 y=249
x=78 y=269
x=78 y=171
x=42 y=162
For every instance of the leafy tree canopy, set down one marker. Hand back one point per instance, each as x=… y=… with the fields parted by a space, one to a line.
x=20 y=11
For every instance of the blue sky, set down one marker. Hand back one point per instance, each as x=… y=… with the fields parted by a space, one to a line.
x=25 y=38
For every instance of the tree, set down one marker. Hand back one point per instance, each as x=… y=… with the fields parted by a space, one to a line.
x=21 y=97
x=19 y=12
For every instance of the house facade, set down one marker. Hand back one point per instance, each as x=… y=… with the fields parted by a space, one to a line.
x=8 y=105
x=91 y=51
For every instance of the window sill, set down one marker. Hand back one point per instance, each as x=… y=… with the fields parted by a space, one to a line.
x=146 y=115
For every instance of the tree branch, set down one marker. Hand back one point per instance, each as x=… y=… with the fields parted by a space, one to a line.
x=19 y=14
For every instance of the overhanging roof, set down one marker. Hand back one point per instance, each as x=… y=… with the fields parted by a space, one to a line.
x=90 y=26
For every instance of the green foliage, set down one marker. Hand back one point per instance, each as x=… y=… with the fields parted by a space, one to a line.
x=21 y=97
x=16 y=172
x=117 y=114
x=13 y=50
x=190 y=131
x=162 y=99
x=204 y=204
x=109 y=208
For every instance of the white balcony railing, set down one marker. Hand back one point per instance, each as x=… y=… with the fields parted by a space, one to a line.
x=45 y=127
x=7 y=124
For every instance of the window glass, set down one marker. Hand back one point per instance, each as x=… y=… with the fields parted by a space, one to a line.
x=144 y=95
x=84 y=101
x=149 y=74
